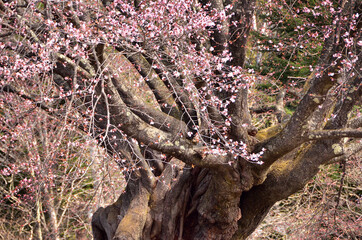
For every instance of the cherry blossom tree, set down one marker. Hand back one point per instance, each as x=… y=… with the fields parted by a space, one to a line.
x=52 y=176
x=161 y=86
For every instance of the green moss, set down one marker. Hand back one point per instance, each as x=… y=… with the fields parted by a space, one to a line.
x=289 y=110
x=268 y=132
x=40 y=6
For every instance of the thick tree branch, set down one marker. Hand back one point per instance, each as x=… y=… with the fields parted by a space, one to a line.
x=2 y=6
x=89 y=73
x=134 y=220
x=291 y=136
x=240 y=25
x=280 y=111
x=180 y=94
x=241 y=119
x=318 y=120
x=355 y=122
x=295 y=169
x=156 y=139
x=10 y=89
x=219 y=37
x=331 y=134
x=213 y=112
x=350 y=150
x=286 y=177
x=152 y=79
x=262 y=109
x=278 y=108
x=147 y=112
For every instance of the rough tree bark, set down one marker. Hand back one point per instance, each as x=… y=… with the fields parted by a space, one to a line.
x=177 y=188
